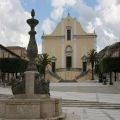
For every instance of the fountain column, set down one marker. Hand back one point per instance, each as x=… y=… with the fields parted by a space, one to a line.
x=32 y=52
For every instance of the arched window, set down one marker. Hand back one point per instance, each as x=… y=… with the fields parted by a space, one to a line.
x=68 y=56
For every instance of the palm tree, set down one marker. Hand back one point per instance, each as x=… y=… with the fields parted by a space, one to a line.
x=42 y=62
x=92 y=57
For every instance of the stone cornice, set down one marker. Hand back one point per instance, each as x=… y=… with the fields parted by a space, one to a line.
x=50 y=37
x=86 y=35
x=74 y=36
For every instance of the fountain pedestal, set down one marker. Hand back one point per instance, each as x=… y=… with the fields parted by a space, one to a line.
x=29 y=83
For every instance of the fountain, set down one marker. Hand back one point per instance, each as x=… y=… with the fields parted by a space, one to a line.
x=27 y=103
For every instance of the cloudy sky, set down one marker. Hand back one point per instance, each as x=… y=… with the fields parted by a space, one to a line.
x=103 y=16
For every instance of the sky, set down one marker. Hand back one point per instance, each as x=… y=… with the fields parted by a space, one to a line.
x=101 y=16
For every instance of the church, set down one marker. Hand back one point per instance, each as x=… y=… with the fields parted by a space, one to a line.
x=68 y=46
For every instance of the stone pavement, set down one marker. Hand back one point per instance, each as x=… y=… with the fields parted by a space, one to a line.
x=86 y=92
x=91 y=114
x=91 y=91
x=5 y=91
x=95 y=92
x=96 y=97
x=91 y=87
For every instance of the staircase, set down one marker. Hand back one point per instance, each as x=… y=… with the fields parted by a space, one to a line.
x=82 y=74
x=68 y=75
x=90 y=104
x=55 y=75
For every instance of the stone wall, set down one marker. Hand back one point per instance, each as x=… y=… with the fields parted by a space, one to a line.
x=30 y=109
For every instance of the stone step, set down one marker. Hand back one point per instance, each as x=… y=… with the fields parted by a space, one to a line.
x=95 y=107
x=89 y=104
x=78 y=101
x=86 y=89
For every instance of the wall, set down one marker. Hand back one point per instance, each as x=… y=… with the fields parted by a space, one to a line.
x=81 y=42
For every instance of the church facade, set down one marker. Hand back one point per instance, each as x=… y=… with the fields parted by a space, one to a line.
x=68 y=45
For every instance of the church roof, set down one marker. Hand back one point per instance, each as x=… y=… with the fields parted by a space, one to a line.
x=68 y=22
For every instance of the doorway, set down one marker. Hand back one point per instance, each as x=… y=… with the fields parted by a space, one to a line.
x=68 y=57
x=84 y=66
x=68 y=61
x=53 y=67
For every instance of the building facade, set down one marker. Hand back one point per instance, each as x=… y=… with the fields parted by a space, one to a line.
x=68 y=44
x=112 y=51
x=15 y=52
x=20 y=51
x=6 y=53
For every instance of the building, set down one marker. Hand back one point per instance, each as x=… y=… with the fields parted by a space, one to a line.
x=6 y=53
x=68 y=46
x=20 y=51
x=12 y=52
x=112 y=51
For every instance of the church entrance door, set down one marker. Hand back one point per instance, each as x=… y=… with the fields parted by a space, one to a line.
x=68 y=61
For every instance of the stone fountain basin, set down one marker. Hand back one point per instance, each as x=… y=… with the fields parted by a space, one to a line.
x=33 y=109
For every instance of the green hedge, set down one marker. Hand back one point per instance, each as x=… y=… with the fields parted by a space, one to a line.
x=12 y=65
x=110 y=64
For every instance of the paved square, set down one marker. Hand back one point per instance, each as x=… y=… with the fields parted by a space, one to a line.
x=86 y=92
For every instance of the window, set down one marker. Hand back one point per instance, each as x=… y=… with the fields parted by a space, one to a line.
x=68 y=57
x=69 y=34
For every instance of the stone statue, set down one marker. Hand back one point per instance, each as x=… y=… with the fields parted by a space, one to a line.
x=32 y=50
x=40 y=85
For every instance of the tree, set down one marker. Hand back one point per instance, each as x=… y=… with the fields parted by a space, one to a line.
x=42 y=62
x=93 y=58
